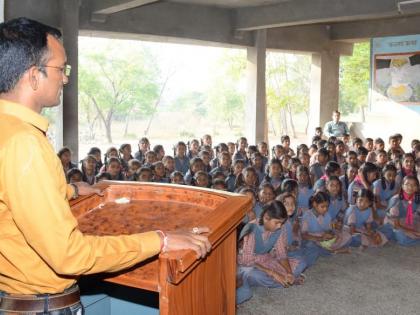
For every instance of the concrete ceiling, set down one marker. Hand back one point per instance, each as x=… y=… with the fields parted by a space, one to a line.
x=231 y=4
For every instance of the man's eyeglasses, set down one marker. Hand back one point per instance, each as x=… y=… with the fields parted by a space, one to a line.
x=66 y=70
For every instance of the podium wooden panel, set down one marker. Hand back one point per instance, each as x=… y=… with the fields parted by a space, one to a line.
x=185 y=285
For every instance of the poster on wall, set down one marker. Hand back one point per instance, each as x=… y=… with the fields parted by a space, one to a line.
x=396 y=72
x=397 y=77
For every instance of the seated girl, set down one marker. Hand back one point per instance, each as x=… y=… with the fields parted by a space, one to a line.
x=359 y=219
x=235 y=170
x=364 y=179
x=318 y=235
x=294 y=239
x=275 y=173
x=263 y=258
x=266 y=194
x=338 y=204
x=331 y=169
x=384 y=189
x=305 y=188
x=403 y=217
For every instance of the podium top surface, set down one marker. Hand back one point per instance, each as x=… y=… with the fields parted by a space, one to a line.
x=132 y=207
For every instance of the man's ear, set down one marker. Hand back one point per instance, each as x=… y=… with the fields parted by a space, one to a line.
x=33 y=77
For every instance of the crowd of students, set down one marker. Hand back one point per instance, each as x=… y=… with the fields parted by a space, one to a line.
x=322 y=199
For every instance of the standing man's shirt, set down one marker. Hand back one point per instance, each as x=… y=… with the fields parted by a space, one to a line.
x=336 y=129
x=41 y=248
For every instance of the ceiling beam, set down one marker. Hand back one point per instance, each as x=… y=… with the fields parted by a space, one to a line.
x=114 y=6
x=301 y=12
x=169 y=20
x=363 y=30
x=306 y=39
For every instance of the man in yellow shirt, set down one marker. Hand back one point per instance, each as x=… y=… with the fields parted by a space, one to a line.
x=41 y=249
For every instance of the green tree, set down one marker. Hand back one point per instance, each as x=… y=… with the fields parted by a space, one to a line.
x=226 y=99
x=354 y=79
x=288 y=85
x=119 y=82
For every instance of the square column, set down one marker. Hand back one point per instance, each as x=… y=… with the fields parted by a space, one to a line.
x=70 y=28
x=256 y=107
x=1 y=11
x=324 y=89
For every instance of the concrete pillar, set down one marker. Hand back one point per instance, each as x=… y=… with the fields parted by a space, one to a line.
x=256 y=108
x=1 y=11
x=70 y=27
x=324 y=89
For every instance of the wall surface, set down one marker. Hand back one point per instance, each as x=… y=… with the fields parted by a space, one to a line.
x=395 y=89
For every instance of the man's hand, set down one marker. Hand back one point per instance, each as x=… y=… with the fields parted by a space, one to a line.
x=189 y=240
x=85 y=189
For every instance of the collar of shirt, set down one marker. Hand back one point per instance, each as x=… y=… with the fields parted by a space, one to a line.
x=23 y=113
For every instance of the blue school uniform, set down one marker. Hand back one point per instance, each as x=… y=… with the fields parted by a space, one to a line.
x=359 y=219
x=163 y=180
x=182 y=165
x=320 y=184
x=214 y=163
x=230 y=182
x=188 y=177
x=337 y=209
x=274 y=181
x=139 y=155
x=344 y=186
x=354 y=188
x=264 y=162
x=252 y=276
x=258 y=208
x=361 y=216
x=304 y=193
x=317 y=171
x=225 y=171
x=239 y=156
x=397 y=209
x=260 y=175
x=312 y=250
x=384 y=194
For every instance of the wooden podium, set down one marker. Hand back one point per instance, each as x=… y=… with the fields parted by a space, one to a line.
x=184 y=284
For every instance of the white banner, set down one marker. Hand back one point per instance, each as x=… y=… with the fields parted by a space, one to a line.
x=1 y=11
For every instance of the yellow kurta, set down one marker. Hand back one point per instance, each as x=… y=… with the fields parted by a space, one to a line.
x=41 y=249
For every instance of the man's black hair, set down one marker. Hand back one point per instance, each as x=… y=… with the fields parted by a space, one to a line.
x=23 y=44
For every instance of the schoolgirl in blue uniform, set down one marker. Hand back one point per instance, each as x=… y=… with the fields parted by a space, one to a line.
x=266 y=194
x=257 y=164
x=407 y=167
x=193 y=148
x=338 y=204
x=347 y=178
x=384 y=189
x=275 y=173
x=182 y=163
x=247 y=178
x=305 y=190
x=196 y=164
x=364 y=179
x=236 y=169
x=263 y=259
x=403 y=215
x=317 y=169
x=224 y=164
x=221 y=147
x=240 y=154
x=359 y=219
x=319 y=237
x=331 y=169
x=294 y=238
